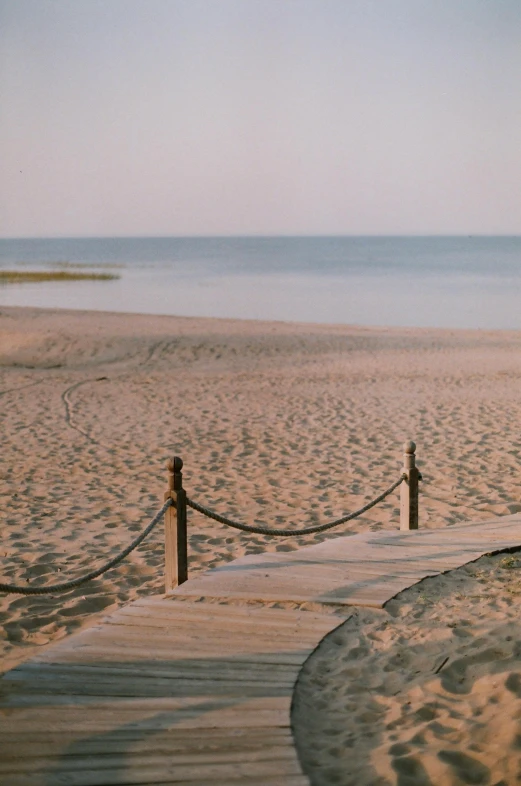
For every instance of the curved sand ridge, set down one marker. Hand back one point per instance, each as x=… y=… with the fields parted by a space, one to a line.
x=426 y=692
x=275 y=421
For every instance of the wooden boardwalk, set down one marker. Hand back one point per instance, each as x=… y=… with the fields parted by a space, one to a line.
x=183 y=690
x=362 y=570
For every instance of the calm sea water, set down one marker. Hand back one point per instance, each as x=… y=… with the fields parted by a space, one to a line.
x=472 y=282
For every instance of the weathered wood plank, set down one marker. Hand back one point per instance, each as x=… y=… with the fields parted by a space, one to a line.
x=108 y=759
x=130 y=772
x=38 y=743
x=378 y=596
x=170 y=624
x=148 y=779
x=158 y=688
x=167 y=645
x=112 y=656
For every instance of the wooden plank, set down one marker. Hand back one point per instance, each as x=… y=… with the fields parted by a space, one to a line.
x=162 y=601
x=116 y=663
x=185 y=669
x=101 y=758
x=110 y=713
x=170 y=643
x=213 y=610
x=138 y=654
x=332 y=592
x=169 y=629
x=184 y=684
x=169 y=622
x=182 y=680
x=137 y=772
x=158 y=688
x=146 y=779
x=213 y=613
x=93 y=655
x=356 y=597
x=40 y=743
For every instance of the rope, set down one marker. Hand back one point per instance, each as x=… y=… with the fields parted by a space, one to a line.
x=284 y=532
x=67 y=585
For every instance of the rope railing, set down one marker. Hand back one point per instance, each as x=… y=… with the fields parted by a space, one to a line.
x=175 y=508
x=176 y=539
x=68 y=585
x=288 y=532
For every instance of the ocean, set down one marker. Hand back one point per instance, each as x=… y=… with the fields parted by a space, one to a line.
x=451 y=282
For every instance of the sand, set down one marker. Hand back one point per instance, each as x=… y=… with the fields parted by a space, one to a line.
x=425 y=692
x=281 y=423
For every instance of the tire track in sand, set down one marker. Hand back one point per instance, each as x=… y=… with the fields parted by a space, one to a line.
x=69 y=408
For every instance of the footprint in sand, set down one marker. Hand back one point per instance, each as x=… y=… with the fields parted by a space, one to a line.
x=467 y=769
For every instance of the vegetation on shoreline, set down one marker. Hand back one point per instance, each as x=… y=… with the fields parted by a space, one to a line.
x=33 y=276
x=63 y=264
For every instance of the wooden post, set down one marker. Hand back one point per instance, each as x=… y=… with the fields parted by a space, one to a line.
x=409 y=489
x=176 y=542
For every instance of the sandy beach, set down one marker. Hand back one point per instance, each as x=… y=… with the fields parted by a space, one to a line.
x=282 y=424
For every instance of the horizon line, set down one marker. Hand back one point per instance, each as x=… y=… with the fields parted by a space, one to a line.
x=256 y=236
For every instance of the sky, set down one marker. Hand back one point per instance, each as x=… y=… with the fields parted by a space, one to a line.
x=259 y=117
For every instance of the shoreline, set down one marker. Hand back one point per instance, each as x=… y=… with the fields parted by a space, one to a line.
x=450 y=281
x=49 y=311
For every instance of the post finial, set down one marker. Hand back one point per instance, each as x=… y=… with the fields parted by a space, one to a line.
x=409 y=447
x=175 y=476
x=175 y=464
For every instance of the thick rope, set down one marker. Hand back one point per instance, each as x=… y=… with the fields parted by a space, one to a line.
x=67 y=585
x=285 y=532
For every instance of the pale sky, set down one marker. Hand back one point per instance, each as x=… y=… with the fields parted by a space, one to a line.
x=203 y=117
